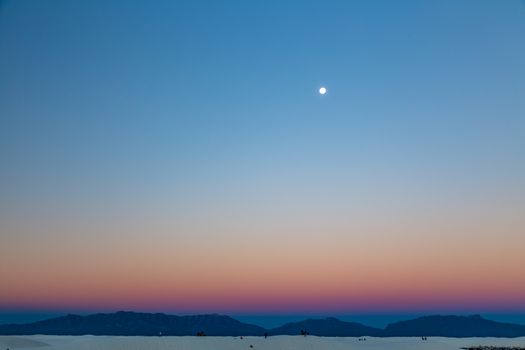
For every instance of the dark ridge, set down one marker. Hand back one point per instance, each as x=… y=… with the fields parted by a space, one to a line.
x=327 y=327
x=133 y=323
x=454 y=326
x=156 y=324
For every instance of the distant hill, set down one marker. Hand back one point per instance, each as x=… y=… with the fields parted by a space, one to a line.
x=454 y=326
x=327 y=327
x=133 y=323
x=148 y=324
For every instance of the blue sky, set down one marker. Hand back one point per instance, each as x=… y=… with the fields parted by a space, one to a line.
x=138 y=118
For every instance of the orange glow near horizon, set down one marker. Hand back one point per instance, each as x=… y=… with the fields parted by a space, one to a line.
x=303 y=270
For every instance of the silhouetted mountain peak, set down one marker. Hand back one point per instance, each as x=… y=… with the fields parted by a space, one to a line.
x=330 y=326
x=154 y=324
x=134 y=323
x=454 y=326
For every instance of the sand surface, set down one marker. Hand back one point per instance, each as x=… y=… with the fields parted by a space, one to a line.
x=222 y=343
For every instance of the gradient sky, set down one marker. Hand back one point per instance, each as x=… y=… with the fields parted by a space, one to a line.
x=176 y=156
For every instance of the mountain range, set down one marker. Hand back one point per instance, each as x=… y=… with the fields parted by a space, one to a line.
x=156 y=324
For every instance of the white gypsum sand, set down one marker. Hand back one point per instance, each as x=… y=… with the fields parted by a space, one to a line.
x=258 y=343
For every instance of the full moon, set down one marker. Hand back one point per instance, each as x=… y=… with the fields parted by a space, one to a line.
x=322 y=90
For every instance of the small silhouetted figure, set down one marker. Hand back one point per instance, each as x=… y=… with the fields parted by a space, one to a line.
x=251 y=346
x=265 y=335
x=201 y=334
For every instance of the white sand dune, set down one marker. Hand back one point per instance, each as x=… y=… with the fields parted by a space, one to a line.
x=20 y=342
x=258 y=343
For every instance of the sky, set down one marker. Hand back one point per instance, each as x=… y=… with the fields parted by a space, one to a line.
x=176 y=156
